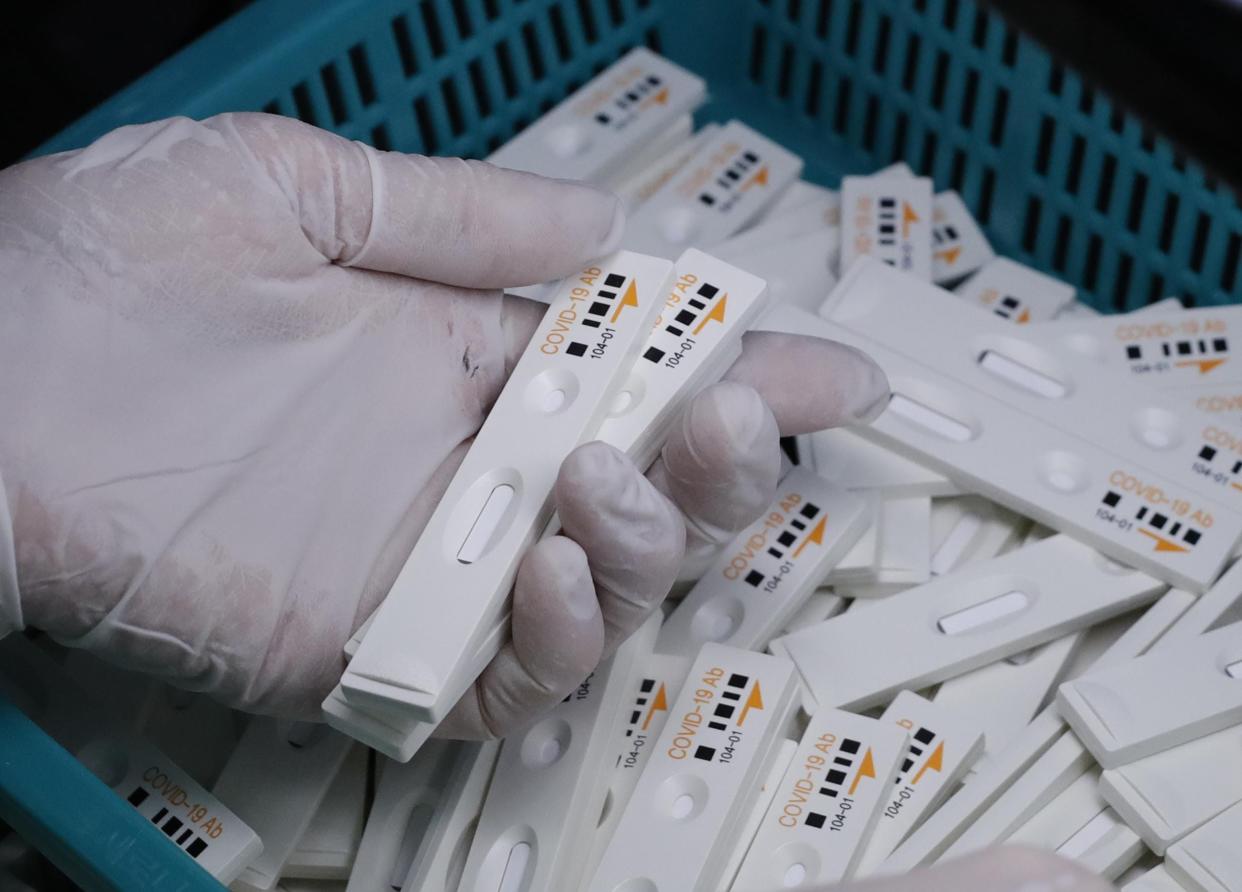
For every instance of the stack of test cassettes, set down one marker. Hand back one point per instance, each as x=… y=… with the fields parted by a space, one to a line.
x=1003 y=612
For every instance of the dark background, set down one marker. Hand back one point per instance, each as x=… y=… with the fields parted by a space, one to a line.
x=1179 y=65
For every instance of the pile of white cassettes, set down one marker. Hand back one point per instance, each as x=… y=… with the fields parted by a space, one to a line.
x=996 y=614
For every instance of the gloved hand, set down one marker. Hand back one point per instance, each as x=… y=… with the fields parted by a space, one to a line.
x=240 y=361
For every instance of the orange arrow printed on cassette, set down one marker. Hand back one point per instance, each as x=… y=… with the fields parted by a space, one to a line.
x=629 y=299
x=658 y=704
x=1024 y=317
x=716 y=314
x=1163 y=544
x=754 y=700
x=935 y=762
x=908 y=216
x=866 y=769
x=1205 y=365
x=950 y=255
x=760 y=178
x=816 y=536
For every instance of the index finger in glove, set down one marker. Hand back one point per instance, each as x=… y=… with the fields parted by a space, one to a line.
x=464 y=223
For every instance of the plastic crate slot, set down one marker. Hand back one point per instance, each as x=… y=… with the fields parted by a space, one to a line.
x=431 y=28
x=927 y=161
x=1030 y=228
x=1121 y=283
x=970 y=96
x=1199 y=247
x=1155 y=289
x=950 y=14
x=616 y=13
x=586 y=16
x=879 y=52
x=491 y=10
x=272 y=108
x=426 y=127
x=822 y=16
x=1000 y=112
x=909 y=72
x=1104 y=185
x=452 y=107
x=379 y=138
x=844 y=91
x=302 y=103
x=1086 y=99
x=1229 y=271
x=478 y=87
x=986 y=190
x=508 y=74
x=869 y=123
x=363 y=77
x=1116 y=120
x=336 y=97
x=815 y=74
x=785 y=72
x=853 y=25
x=940 y=80
x=1009 y=49
x=1091 y=267
x=461 y=18
x=405 y=45
x=901 y=127
x=1168 y=220
x=1060 y=251
x=1138 y=197
x=1056 y=79
x=1043 y=150
x=560 y=35
x=652 y=40
x=793 y=11
x=957 y=172
x=758 y=50
x=1073 y=172
x=979 y=30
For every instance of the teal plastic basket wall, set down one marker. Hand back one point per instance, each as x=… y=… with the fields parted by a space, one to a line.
x=1059 y=177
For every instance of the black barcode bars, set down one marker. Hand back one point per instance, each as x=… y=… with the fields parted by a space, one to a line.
x=684 y=321
x=1007 y=306
x=723 y=712
x=731 y=177
x=192 y=844
x=1161 y=523
x=645 y=687
x=634 y=94
x=834 y=779
x=599 y=308
x=919 y=744
x=945 y=234
x=1190 y=347
x=796 y=527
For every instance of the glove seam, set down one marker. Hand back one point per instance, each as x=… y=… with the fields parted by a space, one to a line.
x=376 y=170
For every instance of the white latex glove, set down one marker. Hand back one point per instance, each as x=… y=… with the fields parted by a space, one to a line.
x=240 y=361
x=1001 y=869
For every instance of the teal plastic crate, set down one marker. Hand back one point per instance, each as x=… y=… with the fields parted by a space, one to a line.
x=1059 y=177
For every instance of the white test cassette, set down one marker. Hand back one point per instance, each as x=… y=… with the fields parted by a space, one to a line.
x=888 y=218
x=1049 y=435
x=701 y=781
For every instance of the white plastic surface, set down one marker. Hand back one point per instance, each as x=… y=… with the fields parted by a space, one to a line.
x=275 y=781
x=968 y=529
x=1159 y=700
x=851 y=460
x=1208 y=860
x=640 y=185
x=799 y=270
x=1005 y=695
x=548 y=777
x=1110 y=462
x=771 y=783
x=564 y=384
x=798 y=196
x=768 y=570
x=826 y=805
x=930 y=840
x=327 y=849
x=730 y=180
x=1168 y=795
x=653 y=687
x=1066 y=586
x=821 y=605
x=703 y=778
x=596 y=130
x=888 y=218
x=1016 y=293
x=959 y=246
x=1155 y=880
x=941 y=749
